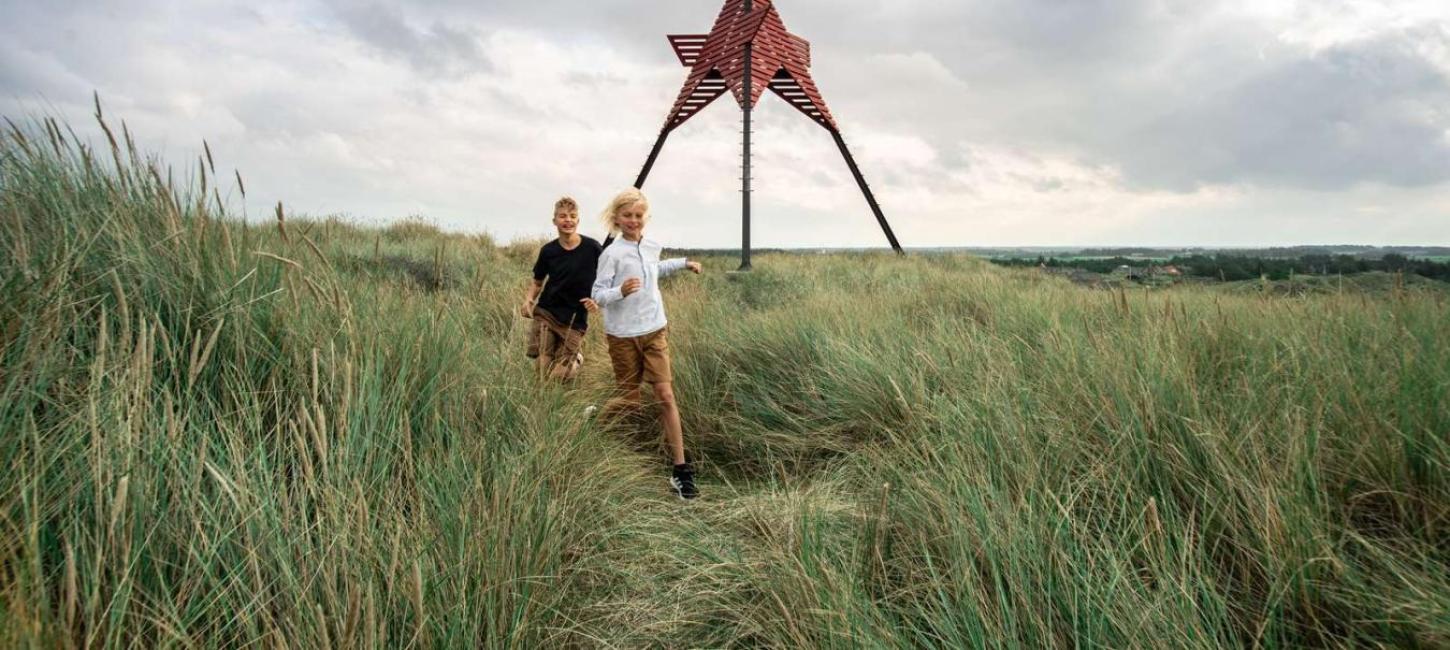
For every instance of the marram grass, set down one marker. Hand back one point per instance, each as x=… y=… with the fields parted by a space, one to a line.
x=304 y=433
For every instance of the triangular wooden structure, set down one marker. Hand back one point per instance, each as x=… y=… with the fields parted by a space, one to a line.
x=749 y=50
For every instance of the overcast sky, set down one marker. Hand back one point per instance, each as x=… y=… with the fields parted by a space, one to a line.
x=977 y=122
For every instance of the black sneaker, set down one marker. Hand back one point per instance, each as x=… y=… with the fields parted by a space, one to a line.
x=683 y=481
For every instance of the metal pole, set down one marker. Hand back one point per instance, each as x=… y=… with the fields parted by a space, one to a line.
x=745 y=167
x=745 y=161
x=650 y=162
x=870 y=199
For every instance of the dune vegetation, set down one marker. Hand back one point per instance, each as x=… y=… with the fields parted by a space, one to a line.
x=286 y=432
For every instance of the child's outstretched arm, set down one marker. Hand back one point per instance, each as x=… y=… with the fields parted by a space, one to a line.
x=677 y=264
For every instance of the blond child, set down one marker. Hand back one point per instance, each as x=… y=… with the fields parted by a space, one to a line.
x=626 y=288
x=558 y=299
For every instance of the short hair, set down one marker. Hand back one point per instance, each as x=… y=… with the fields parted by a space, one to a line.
x=628 y=197
x=566 y=203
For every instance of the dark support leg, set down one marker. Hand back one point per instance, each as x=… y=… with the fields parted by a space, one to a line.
x=861 y=181
x=650 y=162
x=745 y=172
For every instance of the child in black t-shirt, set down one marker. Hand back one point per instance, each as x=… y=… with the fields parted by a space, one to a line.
x=558 y=299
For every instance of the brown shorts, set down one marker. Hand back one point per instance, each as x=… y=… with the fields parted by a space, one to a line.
x=560 y=345
x=641 y=358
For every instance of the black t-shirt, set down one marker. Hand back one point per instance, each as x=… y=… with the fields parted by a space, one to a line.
x=571 y=276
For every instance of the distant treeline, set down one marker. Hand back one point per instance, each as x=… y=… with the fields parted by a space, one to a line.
x=1243 y=267
x=1284 y=252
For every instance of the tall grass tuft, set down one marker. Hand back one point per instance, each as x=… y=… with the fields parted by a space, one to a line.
x=230 y=434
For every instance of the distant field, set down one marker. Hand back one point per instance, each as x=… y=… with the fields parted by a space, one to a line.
x=311 y=434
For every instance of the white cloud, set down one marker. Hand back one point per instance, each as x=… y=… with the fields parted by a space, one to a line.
x=1321 y=24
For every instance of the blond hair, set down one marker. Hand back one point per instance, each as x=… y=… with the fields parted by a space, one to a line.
x=566 y=202
x=622 y=200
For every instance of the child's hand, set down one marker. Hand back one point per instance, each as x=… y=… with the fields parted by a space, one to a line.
x=630 y=286
x=527 y=309
x=693 y=266
x=589 y=304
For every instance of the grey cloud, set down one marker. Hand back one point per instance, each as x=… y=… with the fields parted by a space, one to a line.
x=24 y=71
x=1171 y=93
x=437 y=47
x=1368 y=112
x=997 y=37
x=633 y=26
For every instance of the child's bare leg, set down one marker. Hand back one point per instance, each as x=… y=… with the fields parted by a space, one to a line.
x=629 y=400
x=670 y=418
